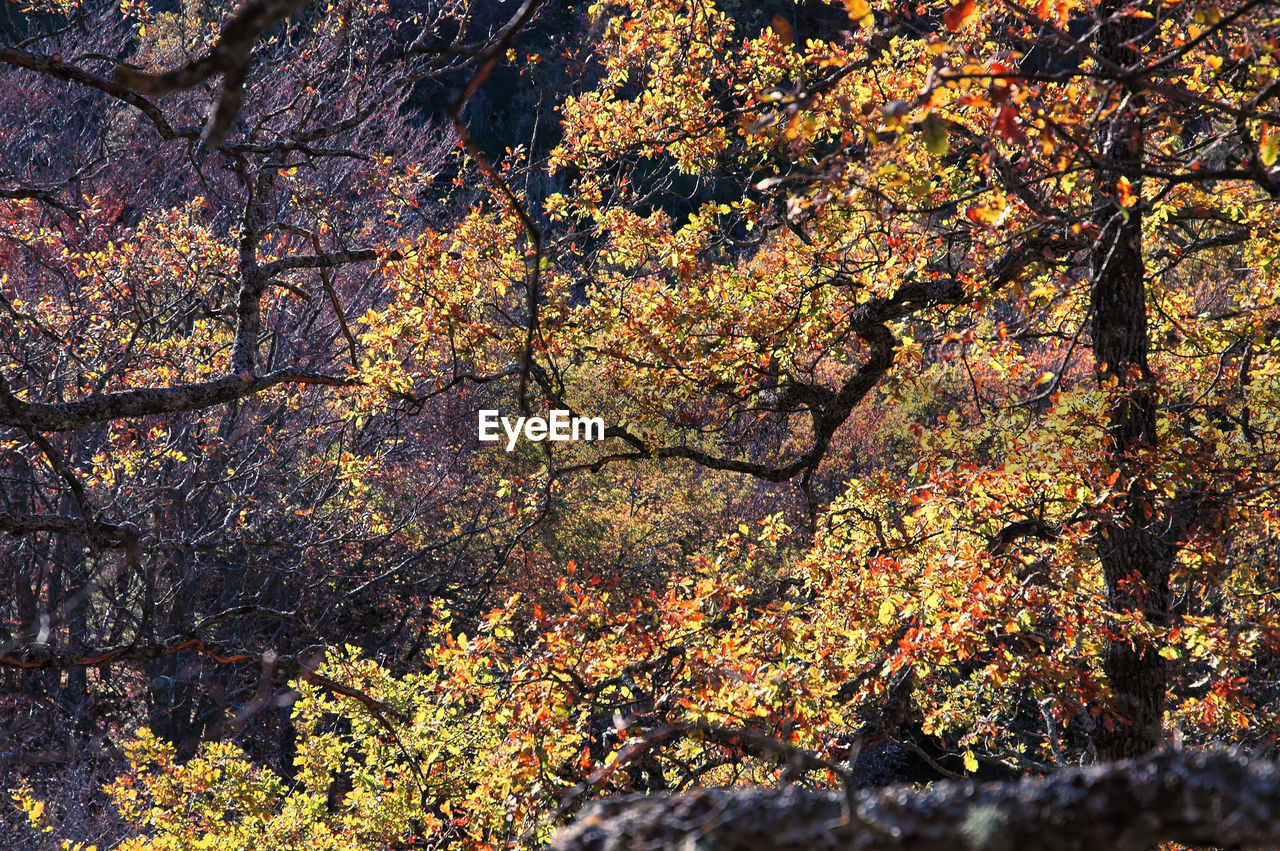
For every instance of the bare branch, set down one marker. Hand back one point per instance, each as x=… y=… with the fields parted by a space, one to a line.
x=318 y=261
x=55 y=67
x=99 y=533
x=230 y=57
x=44 y=196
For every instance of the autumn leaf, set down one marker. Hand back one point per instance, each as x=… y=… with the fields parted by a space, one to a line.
x=1006 y=125
x=886 y=612
x=1125 y=191
x=982 y=215
x=960 y=14
x=783 y=28
x=1269 y=146
x=859 y=11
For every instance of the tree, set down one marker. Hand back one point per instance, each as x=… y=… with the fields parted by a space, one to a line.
x=971 y=304
x=934 y=172
x=192 y=498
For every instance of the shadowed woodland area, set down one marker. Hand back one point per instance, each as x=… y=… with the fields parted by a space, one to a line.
x=937 y=349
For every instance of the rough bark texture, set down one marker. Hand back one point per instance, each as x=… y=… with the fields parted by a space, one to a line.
x=148 y=401
x=1135 y=563
x=1217 y=798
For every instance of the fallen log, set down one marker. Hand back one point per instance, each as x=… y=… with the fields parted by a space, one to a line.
x=1220 y=798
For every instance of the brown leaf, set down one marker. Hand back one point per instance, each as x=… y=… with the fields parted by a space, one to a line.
x=1006 y=125
x=782 y=27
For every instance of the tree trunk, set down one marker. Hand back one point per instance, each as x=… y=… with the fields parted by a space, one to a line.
x=1135 y=562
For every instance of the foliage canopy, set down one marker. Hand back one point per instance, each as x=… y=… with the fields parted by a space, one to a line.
x=937 y=345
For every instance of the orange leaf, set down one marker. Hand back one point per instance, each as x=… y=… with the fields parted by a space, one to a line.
x=1125 y=188
x=960 y=14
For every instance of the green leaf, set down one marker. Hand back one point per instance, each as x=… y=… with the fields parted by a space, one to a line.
x=936 y=139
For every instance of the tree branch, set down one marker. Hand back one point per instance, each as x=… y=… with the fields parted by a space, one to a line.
x=830 y=409
x=55 y=67
x=318 y=261
x=230 y=57
x=147 y=401
x=98 y=533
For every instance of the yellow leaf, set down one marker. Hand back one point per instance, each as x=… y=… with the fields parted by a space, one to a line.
x=860 y=11
x=970 y=761
x=886 y=612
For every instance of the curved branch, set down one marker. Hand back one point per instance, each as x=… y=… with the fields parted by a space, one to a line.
x=55 y=67
x=830 y=409
x=43 y=196
x=97 y=533
x=230 y=57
